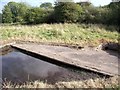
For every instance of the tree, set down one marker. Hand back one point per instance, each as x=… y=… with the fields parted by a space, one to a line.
x=22 y=12
x=0 y=17
x=46 y=5
x=18 y=11
x=14 y=10
x=7 y=15
x=84 y=4
x=67 y=12
x=114 y=13
x=103 y=15
x=89 y=15
x=35 y=16
x=58 y=1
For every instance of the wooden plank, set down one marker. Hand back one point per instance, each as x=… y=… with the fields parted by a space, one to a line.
x=98 y=61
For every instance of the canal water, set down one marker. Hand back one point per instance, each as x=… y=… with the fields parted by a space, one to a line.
x=18 y=67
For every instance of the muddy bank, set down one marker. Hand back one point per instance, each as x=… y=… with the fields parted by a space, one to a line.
x=103 y=46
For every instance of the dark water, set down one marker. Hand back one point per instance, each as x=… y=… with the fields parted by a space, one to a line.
x=19 y=67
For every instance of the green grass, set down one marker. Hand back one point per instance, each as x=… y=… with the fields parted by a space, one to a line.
x=81 y=34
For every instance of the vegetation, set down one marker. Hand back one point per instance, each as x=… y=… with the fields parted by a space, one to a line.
x=35 y=16
x=81 y=34
x=114 y=14
x=62 y=12
x=67 y=22
x=0 y=18
x=46 y=5
x=14 y=12
x=7 y=15
x=105 y=83
x=67 y=12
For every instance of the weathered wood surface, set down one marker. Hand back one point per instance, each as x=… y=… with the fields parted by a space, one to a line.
x=105 y=62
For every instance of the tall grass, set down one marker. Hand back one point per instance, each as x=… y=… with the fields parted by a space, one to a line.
x=104 y=83
x=81 y=34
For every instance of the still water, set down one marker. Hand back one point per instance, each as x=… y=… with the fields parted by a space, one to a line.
x=20 y=67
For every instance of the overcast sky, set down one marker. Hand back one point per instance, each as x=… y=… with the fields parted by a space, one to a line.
x=38 y=2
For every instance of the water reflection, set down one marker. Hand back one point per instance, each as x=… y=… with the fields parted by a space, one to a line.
x=18 y=67
x=21 y=67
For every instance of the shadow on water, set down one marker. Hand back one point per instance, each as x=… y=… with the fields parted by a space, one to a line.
x=18 y=67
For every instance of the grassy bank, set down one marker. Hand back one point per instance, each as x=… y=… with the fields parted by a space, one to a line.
x=111 y=83
x=80 y=34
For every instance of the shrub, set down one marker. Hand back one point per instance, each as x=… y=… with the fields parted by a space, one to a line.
x=67 y=12
x=7 y=15
x=35 y=16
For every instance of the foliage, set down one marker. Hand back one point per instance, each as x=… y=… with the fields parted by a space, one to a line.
x=108 y=14
x=89 y=14
x=50 y=16
x=21 y=12
x=0 y=18
x=63 y=12
x=84 y=4
x=46 y=5
x=114 y=14
x=67 y=12
x=35 y=15
x=94 y=15
x=14 y=12
x=57 y=1
x=7 y=15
